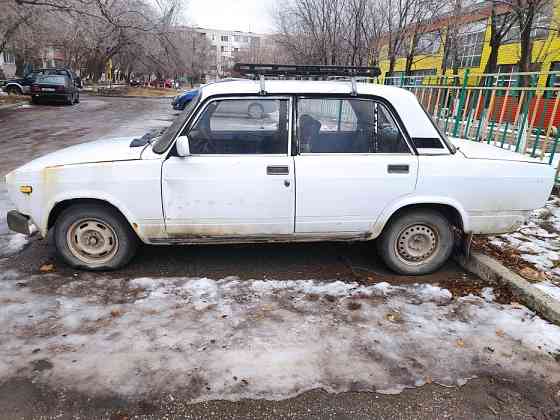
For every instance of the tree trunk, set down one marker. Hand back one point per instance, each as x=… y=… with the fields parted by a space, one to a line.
x=526 y=48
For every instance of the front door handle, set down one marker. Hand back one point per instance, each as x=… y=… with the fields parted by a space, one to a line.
x=277 y=170
x=398 y=169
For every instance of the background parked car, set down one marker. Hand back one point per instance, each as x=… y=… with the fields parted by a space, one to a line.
x=22 y=86
x=162 y=83
x=55 y=87
x=136 y=82
x=180 y=101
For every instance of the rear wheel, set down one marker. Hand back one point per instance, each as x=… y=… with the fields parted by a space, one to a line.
x=416 y=242
x=14 y=90
x=94 y=237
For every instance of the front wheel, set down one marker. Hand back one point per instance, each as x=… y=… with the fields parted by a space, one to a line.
x=94 y=237
x=417 y=242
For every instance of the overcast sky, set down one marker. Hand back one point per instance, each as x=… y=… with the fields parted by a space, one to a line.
x=239 y=15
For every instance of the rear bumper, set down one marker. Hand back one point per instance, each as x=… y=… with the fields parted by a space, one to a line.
x=20 y=223
x=52 y=96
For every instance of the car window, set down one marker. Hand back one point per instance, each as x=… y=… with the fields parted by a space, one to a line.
x=241 y=126
x=55 y=79
x=349 y=125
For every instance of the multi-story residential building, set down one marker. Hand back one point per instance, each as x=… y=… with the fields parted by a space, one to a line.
x=225 y=46
x=474 y=45
x=7 y=63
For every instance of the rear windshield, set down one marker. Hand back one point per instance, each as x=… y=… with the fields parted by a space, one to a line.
x=52 y=78
x=167 y=137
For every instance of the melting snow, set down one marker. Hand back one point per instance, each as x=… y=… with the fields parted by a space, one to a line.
x=538 y=242
x=230 y=339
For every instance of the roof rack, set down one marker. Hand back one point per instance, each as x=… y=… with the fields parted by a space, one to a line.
x=304 y=70
x=261 y=70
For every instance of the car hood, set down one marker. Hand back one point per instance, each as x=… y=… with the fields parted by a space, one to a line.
x=479 y=150
x=107 y=150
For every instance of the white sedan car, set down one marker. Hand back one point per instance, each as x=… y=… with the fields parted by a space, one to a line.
x=331 y=161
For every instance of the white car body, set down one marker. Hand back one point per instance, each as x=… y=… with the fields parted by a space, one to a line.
x=231 y=198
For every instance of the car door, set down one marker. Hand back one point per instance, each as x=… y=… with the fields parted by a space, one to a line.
x=353 y=161
x=238 y=180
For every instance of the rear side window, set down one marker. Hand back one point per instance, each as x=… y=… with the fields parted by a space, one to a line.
x=348 y=125
x=241 y=126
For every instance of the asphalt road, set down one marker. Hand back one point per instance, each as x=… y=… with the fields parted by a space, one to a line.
x=32 y=131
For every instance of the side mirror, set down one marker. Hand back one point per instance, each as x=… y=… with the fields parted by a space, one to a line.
x=182 y=146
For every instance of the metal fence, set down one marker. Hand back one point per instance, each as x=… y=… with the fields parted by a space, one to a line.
x=515 y=111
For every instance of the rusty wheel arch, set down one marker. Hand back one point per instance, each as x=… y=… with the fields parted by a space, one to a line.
x=448 y=211
x=63 y=205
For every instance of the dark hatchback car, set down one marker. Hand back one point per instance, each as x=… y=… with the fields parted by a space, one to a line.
x=55 y=87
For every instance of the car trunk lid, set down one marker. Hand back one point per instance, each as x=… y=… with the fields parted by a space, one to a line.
x=479 y=150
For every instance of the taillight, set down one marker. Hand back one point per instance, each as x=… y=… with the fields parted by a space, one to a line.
x=60 y=88
x=35 y=88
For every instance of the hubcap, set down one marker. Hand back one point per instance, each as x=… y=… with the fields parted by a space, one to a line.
x=416 y=243
x=92 y=241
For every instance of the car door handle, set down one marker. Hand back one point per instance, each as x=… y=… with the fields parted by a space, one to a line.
x=277 y=170
x=398 y=169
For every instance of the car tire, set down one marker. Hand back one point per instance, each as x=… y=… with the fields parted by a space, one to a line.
x=94 y=237
x=34 y=100
x=255 y=111
x=14 y=90
x=417 y=242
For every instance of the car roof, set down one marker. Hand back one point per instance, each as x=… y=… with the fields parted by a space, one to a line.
x=413 y=116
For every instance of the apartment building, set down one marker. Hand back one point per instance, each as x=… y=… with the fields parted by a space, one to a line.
x=7 y=64
x=226 y=45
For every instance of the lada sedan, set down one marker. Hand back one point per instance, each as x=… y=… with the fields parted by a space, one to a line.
x=328 y=161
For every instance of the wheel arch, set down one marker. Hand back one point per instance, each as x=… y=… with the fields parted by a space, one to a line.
x=62 y=205
x=15 y=85
x=452 y=211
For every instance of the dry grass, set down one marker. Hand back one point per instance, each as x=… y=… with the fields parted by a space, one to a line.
x=12 y=99
x=142 y=91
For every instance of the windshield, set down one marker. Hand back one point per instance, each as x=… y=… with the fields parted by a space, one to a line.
x=167 y=137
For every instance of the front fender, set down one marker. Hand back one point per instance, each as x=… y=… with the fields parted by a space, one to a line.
x=24 y=89
x=418 y=200
x=89 y=195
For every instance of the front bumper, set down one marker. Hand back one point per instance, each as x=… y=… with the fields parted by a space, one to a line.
x=20 y=223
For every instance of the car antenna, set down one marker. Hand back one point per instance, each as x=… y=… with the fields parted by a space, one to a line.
x=263 y=89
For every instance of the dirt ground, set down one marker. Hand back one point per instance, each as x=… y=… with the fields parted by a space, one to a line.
x=511 y=385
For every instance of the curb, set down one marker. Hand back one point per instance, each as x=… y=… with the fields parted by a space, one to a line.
x=12 y=106
x=489 y=269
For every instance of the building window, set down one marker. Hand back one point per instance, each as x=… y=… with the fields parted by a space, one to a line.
x=469 y=46
x=9 y=57
x=224 y=38
x=428 y=43
x=237 y=38
x=541 y=23
x=418 y=76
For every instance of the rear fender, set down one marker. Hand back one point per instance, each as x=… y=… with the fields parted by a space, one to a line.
x=419 y=200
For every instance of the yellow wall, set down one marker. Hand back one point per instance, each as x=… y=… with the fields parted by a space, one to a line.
x=545 y=51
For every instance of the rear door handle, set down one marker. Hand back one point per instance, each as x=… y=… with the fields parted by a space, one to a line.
x=398 y=169
x=277 y=170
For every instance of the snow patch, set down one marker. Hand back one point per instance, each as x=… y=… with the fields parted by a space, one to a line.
x=203 y=339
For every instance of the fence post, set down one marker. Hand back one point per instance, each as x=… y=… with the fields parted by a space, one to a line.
x=459 y=112
x=402 y=79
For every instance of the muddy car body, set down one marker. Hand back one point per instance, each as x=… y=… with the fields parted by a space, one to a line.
x=330 y=162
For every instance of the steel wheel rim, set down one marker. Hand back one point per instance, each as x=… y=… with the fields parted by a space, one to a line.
x=92 y=241
x=416 y=243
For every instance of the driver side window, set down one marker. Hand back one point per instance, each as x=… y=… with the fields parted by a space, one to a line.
x=241 y=126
